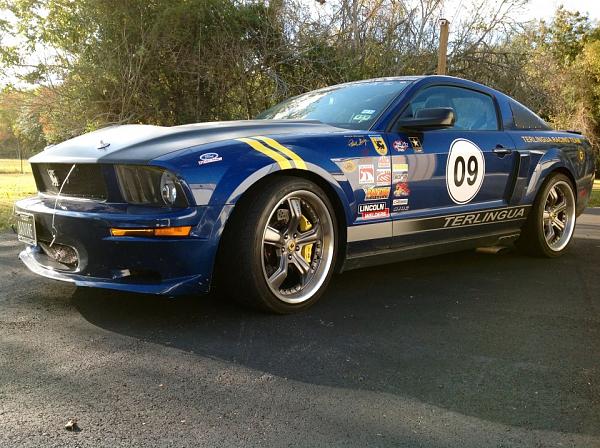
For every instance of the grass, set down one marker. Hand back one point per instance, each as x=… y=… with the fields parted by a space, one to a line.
x=12 y=188
x=13 y=166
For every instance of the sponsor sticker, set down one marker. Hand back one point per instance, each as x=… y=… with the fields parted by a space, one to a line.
x=368 y=111
x=401 y=177
x=377 y=193
x=209 y=157
x=401 y=190
x=416 y=144
x=374 y=210
x=384 y=176
x=399 y=205
x=379 y=144
x=348 y=166
x=400 y=171
x=383 y=162
x=366 y=174
x=581 y=154
x=400 y=145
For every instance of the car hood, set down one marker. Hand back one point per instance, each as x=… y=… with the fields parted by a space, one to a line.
x=136 y=143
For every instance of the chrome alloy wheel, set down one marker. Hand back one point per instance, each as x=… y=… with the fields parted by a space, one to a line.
x=297 y=247
x=559 y=216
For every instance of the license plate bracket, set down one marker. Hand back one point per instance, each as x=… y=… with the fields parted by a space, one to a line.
x=26 y=228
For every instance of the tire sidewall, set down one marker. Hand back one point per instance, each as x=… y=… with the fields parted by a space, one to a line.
x=269 y=202
x=539 y=206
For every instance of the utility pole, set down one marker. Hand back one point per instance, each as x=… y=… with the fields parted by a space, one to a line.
x=443 y=49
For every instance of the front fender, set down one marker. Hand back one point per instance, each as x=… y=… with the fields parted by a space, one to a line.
x=336 y=181
x=222 y=183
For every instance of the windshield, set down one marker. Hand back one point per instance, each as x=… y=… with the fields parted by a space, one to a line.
x=351 y=106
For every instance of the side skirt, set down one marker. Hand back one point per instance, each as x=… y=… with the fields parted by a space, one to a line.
x=427 y=250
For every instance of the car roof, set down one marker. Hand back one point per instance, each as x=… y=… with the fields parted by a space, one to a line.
x=425 y=79
x=382 y=79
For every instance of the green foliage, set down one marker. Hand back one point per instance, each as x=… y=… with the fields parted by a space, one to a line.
x=21 y=129
x=562 y=72
x=566 y=36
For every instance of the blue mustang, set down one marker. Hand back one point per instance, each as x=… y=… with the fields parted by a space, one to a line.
x=356 y=174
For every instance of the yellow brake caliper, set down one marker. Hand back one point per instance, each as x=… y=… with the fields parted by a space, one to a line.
x=306 y=251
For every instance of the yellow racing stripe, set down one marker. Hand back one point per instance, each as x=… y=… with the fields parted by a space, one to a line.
x=287 y=151
x=284 y=163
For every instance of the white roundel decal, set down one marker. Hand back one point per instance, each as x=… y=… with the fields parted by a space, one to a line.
x=465 y=170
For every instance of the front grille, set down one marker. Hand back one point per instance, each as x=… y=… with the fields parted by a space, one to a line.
x=86 y=181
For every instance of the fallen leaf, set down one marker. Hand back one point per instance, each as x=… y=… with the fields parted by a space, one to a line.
x=72 y=425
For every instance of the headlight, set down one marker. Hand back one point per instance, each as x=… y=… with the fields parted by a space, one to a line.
x=148 y=185
x=168 y=188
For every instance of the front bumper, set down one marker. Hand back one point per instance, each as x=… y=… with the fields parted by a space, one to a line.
x=155 y=265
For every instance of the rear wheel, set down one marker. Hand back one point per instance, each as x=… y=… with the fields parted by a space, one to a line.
x=549 y=228
x=280 y=248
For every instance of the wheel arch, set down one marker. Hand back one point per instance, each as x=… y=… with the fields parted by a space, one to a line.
x=566 y=172
x=333 y=194
x=530 y=240
x=552 y=162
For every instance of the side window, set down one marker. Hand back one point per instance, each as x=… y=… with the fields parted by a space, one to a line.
x=524 y=119
x=473 y=111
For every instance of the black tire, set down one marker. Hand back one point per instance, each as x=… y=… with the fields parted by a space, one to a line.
x=534 y=239
x=245 y=257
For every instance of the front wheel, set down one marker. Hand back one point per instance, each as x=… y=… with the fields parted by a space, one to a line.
x=551 y=224
x=280 y=248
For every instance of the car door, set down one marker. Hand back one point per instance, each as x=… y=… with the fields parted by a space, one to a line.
x=369 y=175
x=440 y=173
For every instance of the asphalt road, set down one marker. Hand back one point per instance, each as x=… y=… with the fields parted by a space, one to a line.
x=465 y=350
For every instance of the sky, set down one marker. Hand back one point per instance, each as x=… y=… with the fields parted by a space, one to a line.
x=534 y=10
x=545 y=8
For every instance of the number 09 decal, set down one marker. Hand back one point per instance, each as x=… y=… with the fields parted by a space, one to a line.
x=465 y=170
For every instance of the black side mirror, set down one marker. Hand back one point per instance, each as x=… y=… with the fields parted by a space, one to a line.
x=432 y=118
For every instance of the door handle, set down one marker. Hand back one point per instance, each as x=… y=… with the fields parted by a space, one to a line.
x=501 y=151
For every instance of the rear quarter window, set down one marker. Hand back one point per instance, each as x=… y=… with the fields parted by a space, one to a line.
x=524 y=119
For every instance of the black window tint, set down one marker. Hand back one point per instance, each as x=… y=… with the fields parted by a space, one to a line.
x=473 y=111
x=523 y=118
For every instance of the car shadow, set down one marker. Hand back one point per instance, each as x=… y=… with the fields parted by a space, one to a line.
x=499 y=337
